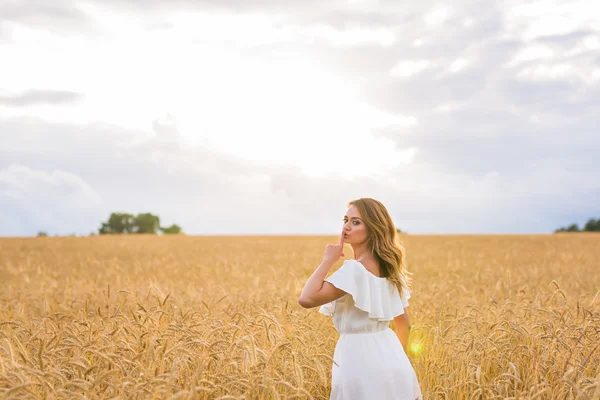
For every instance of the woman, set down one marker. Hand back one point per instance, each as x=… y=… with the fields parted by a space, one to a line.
x=363 y=296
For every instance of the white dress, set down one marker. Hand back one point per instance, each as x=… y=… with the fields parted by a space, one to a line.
x=371 y=362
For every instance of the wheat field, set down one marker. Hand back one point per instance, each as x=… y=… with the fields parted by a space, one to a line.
x=183 y=317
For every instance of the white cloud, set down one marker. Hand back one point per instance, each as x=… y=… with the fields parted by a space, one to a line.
x=438 y=15
x=418 y=42
x=449 y=107
x=355 y=36
x=552 y=17
x=588 y=44
x=549 y=72
x=408 y=68
x=459 y=65
x=530 y=53
x=22 y=182
x=468 y=22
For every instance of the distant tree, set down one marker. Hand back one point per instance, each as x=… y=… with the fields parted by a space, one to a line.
x=146 y=223
x=173 y=229
x=42 y=234
x=592 y=225
x=124 y=223
x=573 y=228
x=121 y=223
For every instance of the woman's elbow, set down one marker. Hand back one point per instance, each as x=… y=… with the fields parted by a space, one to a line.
x=402 y=322
x=305 y=303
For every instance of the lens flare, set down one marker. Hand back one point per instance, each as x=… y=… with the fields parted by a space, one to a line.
x=416 y=347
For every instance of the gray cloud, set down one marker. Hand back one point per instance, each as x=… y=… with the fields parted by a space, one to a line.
x=566 y=40
x=211 y=193
x=15 y=10
x=203 y=191
x=45 y=200
x=495 y=119
x=40 y=97
x=55 y=15
x=508 y=128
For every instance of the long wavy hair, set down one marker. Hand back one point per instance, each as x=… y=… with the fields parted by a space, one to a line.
x=384 y=242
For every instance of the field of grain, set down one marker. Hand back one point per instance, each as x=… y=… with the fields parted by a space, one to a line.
x=494 y=317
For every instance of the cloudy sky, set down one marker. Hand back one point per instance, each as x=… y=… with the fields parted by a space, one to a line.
x=268 y=116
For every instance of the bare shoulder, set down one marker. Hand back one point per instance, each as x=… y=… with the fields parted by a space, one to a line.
x=372 y=266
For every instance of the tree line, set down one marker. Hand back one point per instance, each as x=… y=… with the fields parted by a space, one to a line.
x=593 y=225
x=125 y=223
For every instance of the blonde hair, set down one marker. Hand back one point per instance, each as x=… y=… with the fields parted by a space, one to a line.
x=384 y=242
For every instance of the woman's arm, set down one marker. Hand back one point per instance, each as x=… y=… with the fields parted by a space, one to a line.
x=402 y=324
x=316 y=291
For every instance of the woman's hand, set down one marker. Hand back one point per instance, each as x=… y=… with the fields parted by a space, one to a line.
x=333 y=252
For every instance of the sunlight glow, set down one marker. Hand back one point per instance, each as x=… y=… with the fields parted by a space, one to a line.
x=268 y=109
x=416 y=347
x=292 y=112
x=408 y=68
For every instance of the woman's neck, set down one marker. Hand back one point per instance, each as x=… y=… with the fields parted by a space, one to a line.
x=362 y=252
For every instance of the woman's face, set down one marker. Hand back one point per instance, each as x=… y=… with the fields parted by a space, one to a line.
x=354 y=227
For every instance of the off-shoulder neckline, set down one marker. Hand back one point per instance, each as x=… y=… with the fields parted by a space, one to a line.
x=367 y=271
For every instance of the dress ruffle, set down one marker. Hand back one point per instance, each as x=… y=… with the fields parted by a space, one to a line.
x=376 y=296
